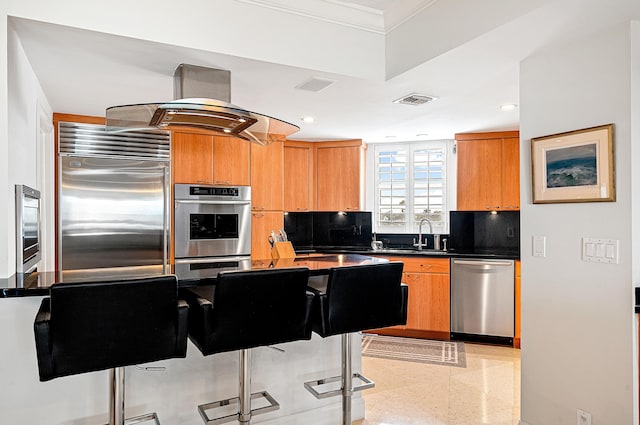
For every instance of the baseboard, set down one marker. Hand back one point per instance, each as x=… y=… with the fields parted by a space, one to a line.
x=411 y=333
x=522 y=423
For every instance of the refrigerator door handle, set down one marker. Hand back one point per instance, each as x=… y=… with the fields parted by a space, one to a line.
x=166 y=219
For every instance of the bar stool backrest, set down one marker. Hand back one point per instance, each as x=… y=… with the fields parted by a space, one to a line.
x=258 y=308
x=364 y=297
x=103 y=325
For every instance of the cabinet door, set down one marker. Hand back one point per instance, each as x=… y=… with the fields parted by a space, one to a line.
x=191 y=156
x=298 y=167
x=262 y=223
x=266 y=177
x=338 y=178
x=230 y=161
x=428 y=306
x=479 y=174
x=511 y=174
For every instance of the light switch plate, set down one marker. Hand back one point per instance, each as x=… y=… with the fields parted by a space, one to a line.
x=599 y=250
x=539 y=246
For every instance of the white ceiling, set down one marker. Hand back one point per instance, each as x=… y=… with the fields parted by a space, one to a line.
x=84 y=72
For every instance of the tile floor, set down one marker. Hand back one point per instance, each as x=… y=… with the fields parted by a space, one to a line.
x=487 y=391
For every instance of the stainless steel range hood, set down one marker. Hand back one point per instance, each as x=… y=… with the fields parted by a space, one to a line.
x=203 y=96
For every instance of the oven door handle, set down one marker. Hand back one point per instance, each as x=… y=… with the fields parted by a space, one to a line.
x=211 y=260
x=182 y=201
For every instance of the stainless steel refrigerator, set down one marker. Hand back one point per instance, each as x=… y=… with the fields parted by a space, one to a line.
x=113 y=194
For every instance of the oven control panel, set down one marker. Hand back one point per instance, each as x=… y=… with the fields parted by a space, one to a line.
x=213 y=191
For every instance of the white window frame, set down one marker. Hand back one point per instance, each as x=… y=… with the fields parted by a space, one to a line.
x=372 y=190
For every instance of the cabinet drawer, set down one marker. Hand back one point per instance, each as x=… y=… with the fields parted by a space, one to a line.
x=425 y=265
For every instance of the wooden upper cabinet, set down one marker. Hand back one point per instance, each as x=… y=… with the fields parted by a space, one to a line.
x=338 y=178
x=231 y=161
x=488 y=171
x=298 y=182
x=191 y=156
x=200 y=158
x=511 y=174
x=267 y=176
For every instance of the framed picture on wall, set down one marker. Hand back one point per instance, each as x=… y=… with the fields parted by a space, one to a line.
x=576 y=166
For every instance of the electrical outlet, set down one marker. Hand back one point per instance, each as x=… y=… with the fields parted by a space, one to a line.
x=584 y=418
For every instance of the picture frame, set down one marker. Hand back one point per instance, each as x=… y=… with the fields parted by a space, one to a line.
x=576 y=166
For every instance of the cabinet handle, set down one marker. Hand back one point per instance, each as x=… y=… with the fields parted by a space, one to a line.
x=352 y=209
x=302 y=209
x=489 y=207
x=428 y=266
x=512 y=206
x=256 y=208
x=203 y=181
x=222 y=182
x=258 y=215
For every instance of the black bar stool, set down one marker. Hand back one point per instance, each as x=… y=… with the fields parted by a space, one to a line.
x=248 y=309
x=354 y=299
x=87 y=327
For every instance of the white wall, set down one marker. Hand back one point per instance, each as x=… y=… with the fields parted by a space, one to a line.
x=578 y=324
x=22 y=151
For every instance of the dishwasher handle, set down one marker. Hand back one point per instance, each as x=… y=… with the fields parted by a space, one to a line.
x=482 y=262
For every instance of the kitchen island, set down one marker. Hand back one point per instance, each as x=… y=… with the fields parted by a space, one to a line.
x=173 y=388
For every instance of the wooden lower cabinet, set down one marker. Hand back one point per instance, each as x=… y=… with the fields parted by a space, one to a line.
x=262 y=223
x=428 y=308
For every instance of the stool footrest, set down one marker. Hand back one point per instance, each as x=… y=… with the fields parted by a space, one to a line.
x=273 y=405
x=142 y=418
x=309 y=385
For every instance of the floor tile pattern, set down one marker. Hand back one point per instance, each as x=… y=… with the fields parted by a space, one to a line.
x=487 y=391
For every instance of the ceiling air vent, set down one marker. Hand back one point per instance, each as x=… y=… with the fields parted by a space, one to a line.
x=415 y=99
x=315 y=84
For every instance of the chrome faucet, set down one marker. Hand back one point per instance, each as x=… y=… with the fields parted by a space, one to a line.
x=419 y=245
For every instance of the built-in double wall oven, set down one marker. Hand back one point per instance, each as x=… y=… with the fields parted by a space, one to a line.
x=212 y=226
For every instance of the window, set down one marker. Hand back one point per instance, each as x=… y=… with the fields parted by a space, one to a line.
x=410 y=184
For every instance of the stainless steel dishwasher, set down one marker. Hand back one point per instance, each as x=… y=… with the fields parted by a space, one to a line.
x=482 y=300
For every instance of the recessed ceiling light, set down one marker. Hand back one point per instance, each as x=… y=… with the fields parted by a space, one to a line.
x=308 y=120
x=422 y=135
x=508 y=107
x=389 y=137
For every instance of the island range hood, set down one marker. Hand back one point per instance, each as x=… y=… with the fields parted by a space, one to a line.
x=203 y=96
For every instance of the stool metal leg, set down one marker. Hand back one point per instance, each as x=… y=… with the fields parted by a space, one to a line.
x=347 y=389
x=244 y=412
x=116 y=396
x=243 y=400
x=347 y=379
x=116 y=402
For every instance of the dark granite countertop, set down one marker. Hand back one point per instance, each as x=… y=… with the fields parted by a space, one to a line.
x=401 y=252
x=38 y=283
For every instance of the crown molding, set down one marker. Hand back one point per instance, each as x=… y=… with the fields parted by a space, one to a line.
x=350 y=14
